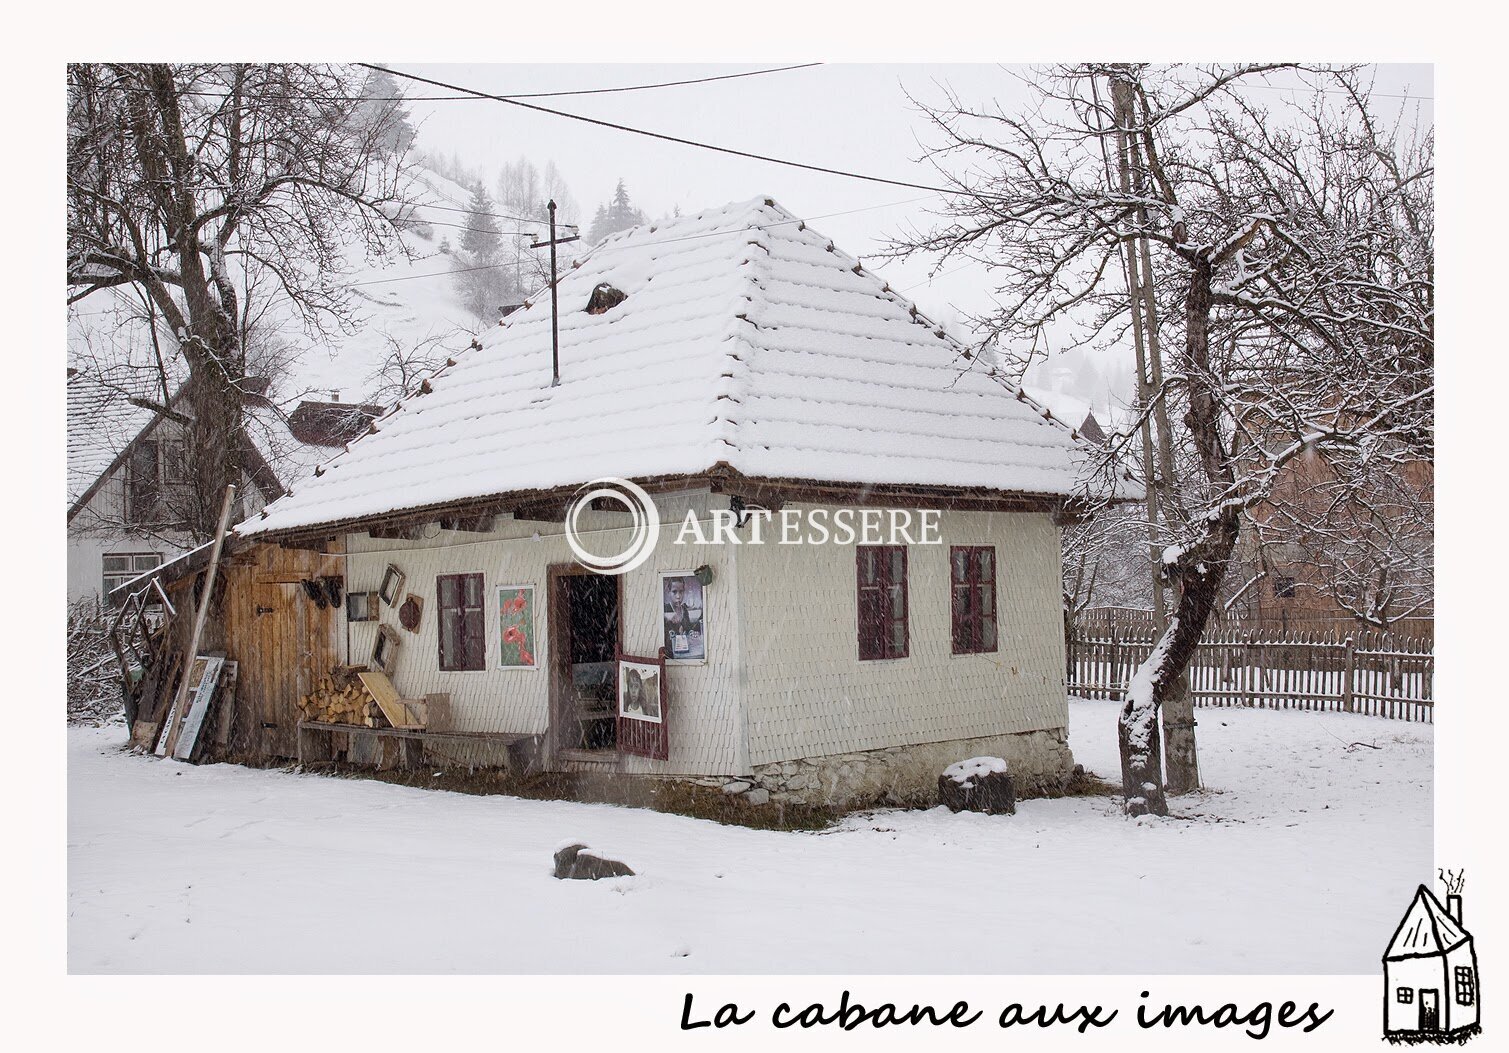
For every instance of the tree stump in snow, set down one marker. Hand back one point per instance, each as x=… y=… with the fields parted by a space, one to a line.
x=580 y=863
x=981 y=784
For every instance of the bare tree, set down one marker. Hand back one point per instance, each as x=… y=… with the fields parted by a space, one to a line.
x=405 y=366
x=1291 y=264
x=183 y=180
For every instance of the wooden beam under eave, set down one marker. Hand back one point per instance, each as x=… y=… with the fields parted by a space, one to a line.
x=477 y=524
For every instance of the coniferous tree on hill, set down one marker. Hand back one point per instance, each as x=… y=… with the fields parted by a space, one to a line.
x=618 y=214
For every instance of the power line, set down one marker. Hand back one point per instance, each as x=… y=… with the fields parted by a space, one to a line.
x=670 y=138
x=490 y=215
x=473 y=97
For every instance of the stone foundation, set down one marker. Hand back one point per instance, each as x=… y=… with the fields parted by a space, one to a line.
x=1040 y=762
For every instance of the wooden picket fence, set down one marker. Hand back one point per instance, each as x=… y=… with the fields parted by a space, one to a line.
x=1372 y=673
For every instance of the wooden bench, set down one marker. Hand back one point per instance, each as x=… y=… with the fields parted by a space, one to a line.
x=316 y=740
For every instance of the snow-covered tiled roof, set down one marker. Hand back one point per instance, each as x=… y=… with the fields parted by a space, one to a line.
x=746 y=339
x=102 y=421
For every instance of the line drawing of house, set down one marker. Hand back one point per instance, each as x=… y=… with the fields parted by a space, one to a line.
x=1430 y=973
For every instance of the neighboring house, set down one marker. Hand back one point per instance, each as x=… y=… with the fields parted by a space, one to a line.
x=128 y=481
x=731 y=360
x=1430 y=974
x=1363 y=565
x=121 y=435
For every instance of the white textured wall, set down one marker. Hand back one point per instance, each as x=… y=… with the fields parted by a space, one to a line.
x=705 y=728
x=807 y=694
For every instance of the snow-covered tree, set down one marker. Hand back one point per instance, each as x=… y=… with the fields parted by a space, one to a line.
x=618 y=214
x=190 y=181
x=1289 y=266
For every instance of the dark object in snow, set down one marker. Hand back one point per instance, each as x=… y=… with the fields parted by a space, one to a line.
x=604 y=298
x=580 y=863
x=981 y=784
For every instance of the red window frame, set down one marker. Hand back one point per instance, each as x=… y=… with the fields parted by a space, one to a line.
x=972 y=598
x=458 y=598
x=880 y=586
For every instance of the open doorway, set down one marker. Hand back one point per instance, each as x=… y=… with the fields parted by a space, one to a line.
x=584 y=638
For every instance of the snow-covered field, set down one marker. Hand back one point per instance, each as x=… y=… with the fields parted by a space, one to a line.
x=1296 y=861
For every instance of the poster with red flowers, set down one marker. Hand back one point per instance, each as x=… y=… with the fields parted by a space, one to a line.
x=516 y=627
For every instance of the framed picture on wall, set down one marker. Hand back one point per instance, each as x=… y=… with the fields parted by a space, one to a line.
x=684 y=617
x=392 y=586
x=641 y=687
x=516 y=648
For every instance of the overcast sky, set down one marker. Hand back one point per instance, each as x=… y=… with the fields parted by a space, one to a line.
x=853 y=117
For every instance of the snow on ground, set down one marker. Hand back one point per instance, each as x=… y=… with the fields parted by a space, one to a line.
x=1296 y=861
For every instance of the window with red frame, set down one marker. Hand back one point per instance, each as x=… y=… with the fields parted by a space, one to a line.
x=973 y=585
x=463 y=634
x=881 y=585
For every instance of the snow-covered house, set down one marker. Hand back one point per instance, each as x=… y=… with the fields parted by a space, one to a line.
x=1430 y=973
x=128 y=485
x=126 y=469
x=726 y=362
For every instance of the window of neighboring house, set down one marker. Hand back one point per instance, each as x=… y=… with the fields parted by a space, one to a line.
x=121 y=567
x=143 y=483
x=881 y=585
x=1465 y=985
x=175 y=462
x=1405 y=994
x=1283 y=586
x=972 y=587
x=463 y=644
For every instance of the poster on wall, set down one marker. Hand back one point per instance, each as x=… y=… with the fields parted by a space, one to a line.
x=685 y=618
x=516 y=626
x=639 y=690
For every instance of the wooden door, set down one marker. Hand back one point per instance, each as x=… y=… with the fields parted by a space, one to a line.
x=282 y=640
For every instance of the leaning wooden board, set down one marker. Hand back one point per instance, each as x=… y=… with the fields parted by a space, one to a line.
x=401 y=712
x=198 y=706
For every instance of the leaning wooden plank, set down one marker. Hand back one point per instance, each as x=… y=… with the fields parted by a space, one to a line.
x=203 y=610
x=199 y=706
x=386 y=696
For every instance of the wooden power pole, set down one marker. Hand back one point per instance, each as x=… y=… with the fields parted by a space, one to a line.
x=1181 y=761
x=555 y=318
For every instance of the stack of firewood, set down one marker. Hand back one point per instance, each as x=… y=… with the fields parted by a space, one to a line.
x=339 y=698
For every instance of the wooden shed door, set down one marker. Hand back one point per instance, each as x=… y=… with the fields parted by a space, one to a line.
x=290 y=642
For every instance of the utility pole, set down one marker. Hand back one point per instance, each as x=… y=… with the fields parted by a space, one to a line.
x=1181 y=761
x=555 y=318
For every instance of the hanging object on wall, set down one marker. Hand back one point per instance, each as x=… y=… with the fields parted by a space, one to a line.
x=385 y=650
x=516 y=627
x=316 y=592
x=684 y=623
x=642 y=702
x=361 y=606
x=392 y=586
x=410 y=611
x=333 y=588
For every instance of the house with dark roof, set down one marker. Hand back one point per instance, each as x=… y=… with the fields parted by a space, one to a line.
x=750 y=412
x=1430 y=974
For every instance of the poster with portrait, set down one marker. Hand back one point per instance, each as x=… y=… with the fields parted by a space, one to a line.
x=516 y=627
x=639 y=690
x=685 y=618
